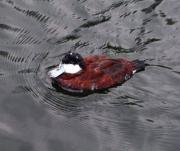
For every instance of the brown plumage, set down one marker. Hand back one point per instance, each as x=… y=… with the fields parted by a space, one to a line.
x=100 y=72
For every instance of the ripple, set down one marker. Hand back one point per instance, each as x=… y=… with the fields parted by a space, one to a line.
x=95 y=21
x=152 y=7
x=8 y=27
x=112 y=6
x=42 y=90
x=34 y=14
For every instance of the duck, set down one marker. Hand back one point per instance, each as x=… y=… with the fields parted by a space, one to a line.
x=94 y=72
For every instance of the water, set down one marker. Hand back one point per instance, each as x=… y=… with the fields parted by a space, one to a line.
x=141 y=115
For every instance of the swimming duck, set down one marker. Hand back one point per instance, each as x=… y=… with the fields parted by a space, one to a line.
x=94 y=72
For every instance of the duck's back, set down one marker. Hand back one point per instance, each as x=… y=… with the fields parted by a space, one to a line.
x=101 y=72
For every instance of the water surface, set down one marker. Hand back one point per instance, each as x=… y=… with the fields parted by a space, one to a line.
x=141 y=115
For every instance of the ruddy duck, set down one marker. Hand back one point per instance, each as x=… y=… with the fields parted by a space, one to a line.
x=95 y=72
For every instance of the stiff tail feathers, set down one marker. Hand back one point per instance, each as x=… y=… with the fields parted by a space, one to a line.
x=139 y=65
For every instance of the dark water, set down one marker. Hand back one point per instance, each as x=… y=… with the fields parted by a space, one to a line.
x=141 y=115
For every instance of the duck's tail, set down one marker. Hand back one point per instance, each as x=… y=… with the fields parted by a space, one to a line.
x=139 y=65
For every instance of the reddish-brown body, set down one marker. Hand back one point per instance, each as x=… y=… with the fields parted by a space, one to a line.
x=100 y=72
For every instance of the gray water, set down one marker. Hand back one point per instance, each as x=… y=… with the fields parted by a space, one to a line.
x=141 y=115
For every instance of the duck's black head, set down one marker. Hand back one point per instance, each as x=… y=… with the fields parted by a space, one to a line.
x=73 y=58
x=71 y=63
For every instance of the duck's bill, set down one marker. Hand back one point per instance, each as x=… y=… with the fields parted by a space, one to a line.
x=56 y=72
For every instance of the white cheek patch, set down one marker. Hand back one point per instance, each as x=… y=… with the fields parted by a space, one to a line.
x=72 y=69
